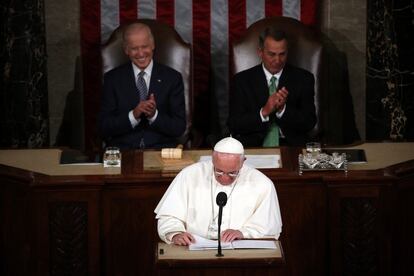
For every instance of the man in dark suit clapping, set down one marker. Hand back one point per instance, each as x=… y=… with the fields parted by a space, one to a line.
x=143 y=103
x=272 y=103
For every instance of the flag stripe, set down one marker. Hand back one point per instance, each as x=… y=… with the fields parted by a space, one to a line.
x=201 y=45
x=184 y=19
x=109 y=19
x=165 y=11
x=273 y=8
x=308 y=12
x=237 y=26
x=255 y=10
x=291 y=8
x=237 y=19
x=146 y=9
x=127 y=11
x=219 y=56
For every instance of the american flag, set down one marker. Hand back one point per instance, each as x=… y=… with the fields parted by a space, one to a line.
x=209 y=26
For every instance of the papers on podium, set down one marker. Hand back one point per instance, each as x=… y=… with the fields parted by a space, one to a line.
x=262 y=161
x=206 y=244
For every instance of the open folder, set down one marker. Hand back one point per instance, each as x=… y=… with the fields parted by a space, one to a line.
x=206 y=244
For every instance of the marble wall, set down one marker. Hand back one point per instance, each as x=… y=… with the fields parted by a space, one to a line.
x=64 y=70
x=390 y=70
x=24 y=105
x=343 y=25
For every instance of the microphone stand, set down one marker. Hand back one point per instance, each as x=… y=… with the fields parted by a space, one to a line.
x=221 y=200
x=219 y=231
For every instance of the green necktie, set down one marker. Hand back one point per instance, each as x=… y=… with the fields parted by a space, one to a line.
x=272 y=136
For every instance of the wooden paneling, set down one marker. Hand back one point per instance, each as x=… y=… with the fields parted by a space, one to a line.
x=16 y=241
x=403 y=219
x=333 y=224
x=68 y=238
x=130 y=231
x=303 y=204
x=359 y=220
x=66 y=230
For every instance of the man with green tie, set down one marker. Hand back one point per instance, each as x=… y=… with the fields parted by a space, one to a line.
x=272 y=103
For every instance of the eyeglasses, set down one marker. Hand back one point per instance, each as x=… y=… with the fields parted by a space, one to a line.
x=229 y=174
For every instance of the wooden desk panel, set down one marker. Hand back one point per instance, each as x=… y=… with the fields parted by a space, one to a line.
x=303 y=205
x=49 y=223
x=129 y=227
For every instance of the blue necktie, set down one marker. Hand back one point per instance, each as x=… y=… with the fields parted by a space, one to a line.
x=142 y=86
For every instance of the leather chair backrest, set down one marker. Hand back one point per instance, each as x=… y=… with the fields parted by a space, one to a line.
x=170 y=50
x=305 y=51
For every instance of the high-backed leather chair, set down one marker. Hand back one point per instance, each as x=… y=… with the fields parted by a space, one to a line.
x=170 y=50
x=305 y=51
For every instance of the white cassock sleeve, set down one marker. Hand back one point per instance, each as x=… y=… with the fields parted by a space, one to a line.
x=266 y=219
x=172 y=209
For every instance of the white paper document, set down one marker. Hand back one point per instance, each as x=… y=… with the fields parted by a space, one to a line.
x=262 y=161
x=206 y=244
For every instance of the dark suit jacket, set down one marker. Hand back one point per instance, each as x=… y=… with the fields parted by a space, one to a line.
x=249 y=94
x=120 y=95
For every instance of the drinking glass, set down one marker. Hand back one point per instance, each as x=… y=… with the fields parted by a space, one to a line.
x=313 y=148
x=112 y=157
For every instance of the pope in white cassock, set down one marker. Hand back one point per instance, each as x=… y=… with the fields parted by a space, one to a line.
x=189 y=205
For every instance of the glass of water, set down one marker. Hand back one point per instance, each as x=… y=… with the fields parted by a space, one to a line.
x=313 y=148
x=112 y=157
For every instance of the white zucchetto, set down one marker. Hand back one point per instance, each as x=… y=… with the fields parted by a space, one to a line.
x=229 y=145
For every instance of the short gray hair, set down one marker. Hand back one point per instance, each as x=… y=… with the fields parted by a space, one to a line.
x=273 y=33
x=136 y=27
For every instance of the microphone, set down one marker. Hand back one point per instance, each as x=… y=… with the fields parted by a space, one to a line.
x=221 y=201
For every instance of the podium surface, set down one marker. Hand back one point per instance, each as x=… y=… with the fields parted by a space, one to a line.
x=179 y=260
x=170 y=252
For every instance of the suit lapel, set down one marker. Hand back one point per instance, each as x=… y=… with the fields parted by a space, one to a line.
x=284 y=78
x=129 y=82
x=156 y=80
x=260 y=80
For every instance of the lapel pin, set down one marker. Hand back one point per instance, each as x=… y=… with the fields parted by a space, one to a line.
x=158 y=80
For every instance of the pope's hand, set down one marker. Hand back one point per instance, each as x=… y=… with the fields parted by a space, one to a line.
x=184 y=238
x=230 y=235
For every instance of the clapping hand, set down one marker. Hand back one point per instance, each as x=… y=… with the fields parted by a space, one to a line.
x=146 y=107
x=275 y=102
